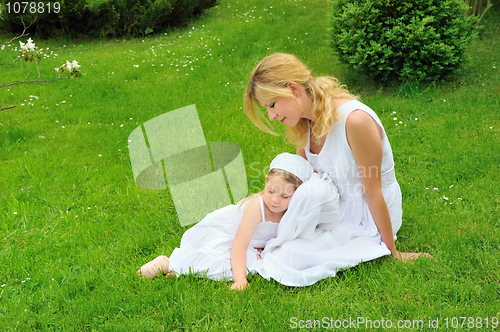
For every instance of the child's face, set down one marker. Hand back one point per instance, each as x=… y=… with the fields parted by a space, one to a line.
x=277 y=194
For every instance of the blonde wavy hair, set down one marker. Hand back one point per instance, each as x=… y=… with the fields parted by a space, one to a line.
x=275 y=172
x=269 y=80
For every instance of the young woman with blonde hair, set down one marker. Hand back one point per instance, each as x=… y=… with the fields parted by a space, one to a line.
x=339 y=136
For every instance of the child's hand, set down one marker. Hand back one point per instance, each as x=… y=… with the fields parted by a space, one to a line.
x=239 y=285
x=405 y=256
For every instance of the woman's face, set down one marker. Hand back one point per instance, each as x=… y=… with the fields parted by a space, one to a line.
x=283 y=109
x=288 y=110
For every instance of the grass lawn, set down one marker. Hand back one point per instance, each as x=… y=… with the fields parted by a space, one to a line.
x=74 y=226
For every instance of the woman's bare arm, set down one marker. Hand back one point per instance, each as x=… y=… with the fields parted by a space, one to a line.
x=364 y=139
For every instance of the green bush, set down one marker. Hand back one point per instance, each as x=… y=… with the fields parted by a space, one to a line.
x=418 y=40
x=103 y=18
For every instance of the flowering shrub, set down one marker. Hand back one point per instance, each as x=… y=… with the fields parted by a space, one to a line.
x=29 y=52
x=71 y=67
x=393 y=39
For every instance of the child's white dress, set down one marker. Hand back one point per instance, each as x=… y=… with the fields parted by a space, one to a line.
x=205 y=248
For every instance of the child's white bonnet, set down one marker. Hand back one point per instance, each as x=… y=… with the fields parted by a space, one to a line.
x=294 y=164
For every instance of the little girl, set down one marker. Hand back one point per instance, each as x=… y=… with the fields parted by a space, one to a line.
x=227 y=241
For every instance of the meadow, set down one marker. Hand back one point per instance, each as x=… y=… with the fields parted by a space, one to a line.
x=74 y=226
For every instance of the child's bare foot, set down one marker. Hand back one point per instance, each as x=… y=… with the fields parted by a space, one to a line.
x=159 y=265
x=406 y=256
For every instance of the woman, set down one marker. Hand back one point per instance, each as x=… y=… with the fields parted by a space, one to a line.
x=339 y=136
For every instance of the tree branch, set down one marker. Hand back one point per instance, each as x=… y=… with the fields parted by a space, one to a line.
x=71 y=67
x=13 y=62
x=6 y=108
x=22 y=34
x=17 y=37
x=25 y=81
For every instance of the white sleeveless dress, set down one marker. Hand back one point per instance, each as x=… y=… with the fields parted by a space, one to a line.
x=306 y=250
x=205 y=248
x=337 y=161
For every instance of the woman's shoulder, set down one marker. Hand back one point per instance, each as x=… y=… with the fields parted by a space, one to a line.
x=342 y=108
x=357 y=113
x=339 y=102
x=348 y=105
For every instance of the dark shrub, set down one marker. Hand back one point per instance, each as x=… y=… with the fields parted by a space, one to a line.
x=104 y=18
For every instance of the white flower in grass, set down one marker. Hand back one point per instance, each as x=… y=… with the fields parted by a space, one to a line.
x=445 y=198
x=435 y=189
x=23 y=46
x=75 y=65
x=30 y=45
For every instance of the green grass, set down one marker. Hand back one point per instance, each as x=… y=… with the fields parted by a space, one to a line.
x=74 y=227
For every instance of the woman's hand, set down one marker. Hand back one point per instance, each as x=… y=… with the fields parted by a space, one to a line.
x=406 y=256
x=239 y=285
